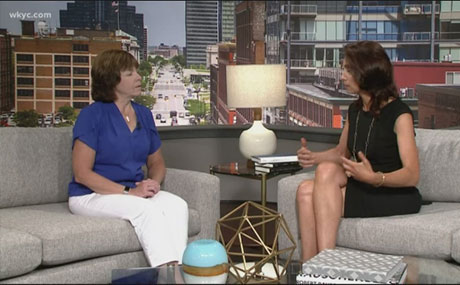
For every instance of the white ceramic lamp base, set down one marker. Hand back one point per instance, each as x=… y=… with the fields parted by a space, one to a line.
x=257 y=140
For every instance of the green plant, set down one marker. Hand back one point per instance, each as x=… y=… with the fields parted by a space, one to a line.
x=68 y=113
x=28 y=118
x=145 y=100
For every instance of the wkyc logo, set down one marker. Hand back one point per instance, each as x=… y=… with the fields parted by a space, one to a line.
x=29 y=15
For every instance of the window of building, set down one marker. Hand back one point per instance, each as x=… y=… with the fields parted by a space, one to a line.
x=81 y=82
x=453 y=77
x=80 y=59
x=81 y=70
x=62 y=93
x=25 y=81
x=62 y=70
x=80 y=105
x=25 y=69
x=62 y=82
x=80 y=47
x=62 y=58
x=25 y=57
x=80 y=94
x=26 y=92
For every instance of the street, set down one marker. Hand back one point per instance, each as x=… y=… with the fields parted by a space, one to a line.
x=169 y=92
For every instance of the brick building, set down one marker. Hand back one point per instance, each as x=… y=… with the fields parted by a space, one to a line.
x=220 y=113
x=55 y=71
x=250 y=32
x=438 y=105
x=6 y=72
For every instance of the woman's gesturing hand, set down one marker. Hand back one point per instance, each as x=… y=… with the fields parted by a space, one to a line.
x=146 y=188
x=361 y=171
x=304 y=155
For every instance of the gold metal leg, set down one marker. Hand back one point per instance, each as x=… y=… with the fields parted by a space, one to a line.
x=263 y=200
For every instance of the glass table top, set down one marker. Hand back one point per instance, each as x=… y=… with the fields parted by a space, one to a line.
x=242 y=169
x=420 y=271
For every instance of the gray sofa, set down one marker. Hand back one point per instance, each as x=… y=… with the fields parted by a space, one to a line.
x=42 y=242
x=434 y=232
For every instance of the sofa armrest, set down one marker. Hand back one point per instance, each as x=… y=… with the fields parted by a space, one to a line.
x=201 y=191
x=287 y=189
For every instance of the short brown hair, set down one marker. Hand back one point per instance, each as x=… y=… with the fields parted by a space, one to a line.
x=105 y=73
x=370 y=66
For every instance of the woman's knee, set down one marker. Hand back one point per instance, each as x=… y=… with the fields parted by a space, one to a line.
x=305 y=191
x=329 y=171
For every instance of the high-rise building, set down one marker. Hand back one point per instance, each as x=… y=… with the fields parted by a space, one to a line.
x=144 y=56
x=308 y=36
x=105 y=15
x=201 y=29
x=6 y=72
x=250 y=32
x=226 y=21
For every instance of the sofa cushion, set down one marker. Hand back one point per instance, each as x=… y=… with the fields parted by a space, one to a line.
x=439 y=155
x=91 y=271
x=456 y=246
x=67 y=237
x=37 y=162
x=403 y=235
x=19 y=252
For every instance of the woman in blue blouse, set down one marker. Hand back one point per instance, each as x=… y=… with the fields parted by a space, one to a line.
x=112 y=139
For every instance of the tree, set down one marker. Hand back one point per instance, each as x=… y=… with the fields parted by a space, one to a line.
x=178 y=61
x=145 y=100
x=28 y=119
x=145 y=68
x=68 y=114
x=159 y=61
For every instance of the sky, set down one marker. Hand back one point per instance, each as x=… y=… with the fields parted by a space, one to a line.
x=165 y=20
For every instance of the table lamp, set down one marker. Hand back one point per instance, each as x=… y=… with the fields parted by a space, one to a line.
x=256 y=86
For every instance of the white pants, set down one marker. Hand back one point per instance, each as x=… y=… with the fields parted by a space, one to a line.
x=160 y=222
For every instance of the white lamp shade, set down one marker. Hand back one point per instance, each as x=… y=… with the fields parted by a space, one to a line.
x=256 y=85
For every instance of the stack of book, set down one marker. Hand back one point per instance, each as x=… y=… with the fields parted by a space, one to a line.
x=342 y=266
x=276 y=163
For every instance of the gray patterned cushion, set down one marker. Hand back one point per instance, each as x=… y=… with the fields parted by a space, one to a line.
x=456 y=246
x=23 y=250
x=67 y=237
x=439 y=155
x=37 y=163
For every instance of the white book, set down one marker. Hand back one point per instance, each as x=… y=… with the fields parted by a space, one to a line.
x=276 y=164
x=353 y=264
x=273 y=158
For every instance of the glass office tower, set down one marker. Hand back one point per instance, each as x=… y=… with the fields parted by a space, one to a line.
x=105 y=15
x=201 y=29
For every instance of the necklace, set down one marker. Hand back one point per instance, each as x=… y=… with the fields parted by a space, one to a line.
x=356 y=134
x=127 y=118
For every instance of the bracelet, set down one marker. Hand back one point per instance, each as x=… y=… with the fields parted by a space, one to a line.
x=382 y=181
x=126 y=190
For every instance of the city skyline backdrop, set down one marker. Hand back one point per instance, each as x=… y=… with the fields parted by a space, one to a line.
x=165 y=20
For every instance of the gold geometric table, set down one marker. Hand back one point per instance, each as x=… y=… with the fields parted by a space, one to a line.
x=253 y=259
x=242 y=170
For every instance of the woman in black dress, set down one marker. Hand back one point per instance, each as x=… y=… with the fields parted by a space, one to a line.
x=374 y=169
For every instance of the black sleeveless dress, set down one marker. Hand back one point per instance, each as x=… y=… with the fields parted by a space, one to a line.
x=362 y=199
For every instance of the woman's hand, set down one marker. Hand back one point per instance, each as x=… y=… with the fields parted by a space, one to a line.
x=146 y=188
x=304 y=155
x=361 y=171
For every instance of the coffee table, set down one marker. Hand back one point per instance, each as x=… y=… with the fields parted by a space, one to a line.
x=174 y=275
x=420 y=271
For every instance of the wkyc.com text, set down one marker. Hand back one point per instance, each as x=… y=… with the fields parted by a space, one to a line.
x=29 y=15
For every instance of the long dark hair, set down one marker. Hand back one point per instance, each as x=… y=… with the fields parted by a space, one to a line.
x=370 y=66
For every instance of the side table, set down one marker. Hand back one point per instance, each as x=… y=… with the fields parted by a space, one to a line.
x=241 y=170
